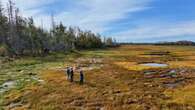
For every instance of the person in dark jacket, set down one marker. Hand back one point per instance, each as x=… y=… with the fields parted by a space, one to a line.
x=81 y=77
x=71 y=75
x=68 y=73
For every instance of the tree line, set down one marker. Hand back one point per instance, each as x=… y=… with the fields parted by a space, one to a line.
x=19 y=36
x=176 y=43
x=180 y=43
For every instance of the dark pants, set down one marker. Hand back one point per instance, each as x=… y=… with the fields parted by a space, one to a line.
x=71 y=77
x=81 y=79
x=68 y=76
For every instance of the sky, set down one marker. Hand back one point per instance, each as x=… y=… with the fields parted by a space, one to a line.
x=124 y=20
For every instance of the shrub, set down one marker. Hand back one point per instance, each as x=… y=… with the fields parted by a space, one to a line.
x=3 y=50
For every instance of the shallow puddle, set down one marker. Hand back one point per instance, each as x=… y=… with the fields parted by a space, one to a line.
x=7 y=86
x=172 y=85
x=154 y=64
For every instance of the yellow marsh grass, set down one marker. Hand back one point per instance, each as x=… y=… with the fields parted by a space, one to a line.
x=184 y=95
x=182 y=64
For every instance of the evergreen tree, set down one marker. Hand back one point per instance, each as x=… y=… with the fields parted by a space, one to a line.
x=3 y=26
x=21 y=37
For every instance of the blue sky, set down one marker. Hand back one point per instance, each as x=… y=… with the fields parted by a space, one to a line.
x=125 y=20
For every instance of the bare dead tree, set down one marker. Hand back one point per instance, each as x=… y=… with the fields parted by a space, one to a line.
x=10 y=9
x=53 y=24
x=1 y=9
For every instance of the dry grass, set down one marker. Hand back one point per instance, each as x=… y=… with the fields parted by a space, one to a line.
x=119 y=85
x=182 y=64
x=184 y=95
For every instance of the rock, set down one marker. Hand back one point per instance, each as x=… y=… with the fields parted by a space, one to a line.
x=5 y=86
x=130 y=101
x=112 y=98
x=190 y=108
x=150 y=96
x=19 y=70
x=78 y=103
x=14 y=105
x=116 y=92
x=31 y=74
x=104 y=93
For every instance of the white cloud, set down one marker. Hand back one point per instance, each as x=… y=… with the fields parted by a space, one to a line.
x=98 y=14
x=28 y=9
x=95 y=15
x=156 y=31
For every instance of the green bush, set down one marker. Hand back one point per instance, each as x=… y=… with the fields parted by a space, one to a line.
x=3 y=50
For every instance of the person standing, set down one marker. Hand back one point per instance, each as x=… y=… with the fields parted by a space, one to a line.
x=68 y=73
x=71 y=75
x=81 y=77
